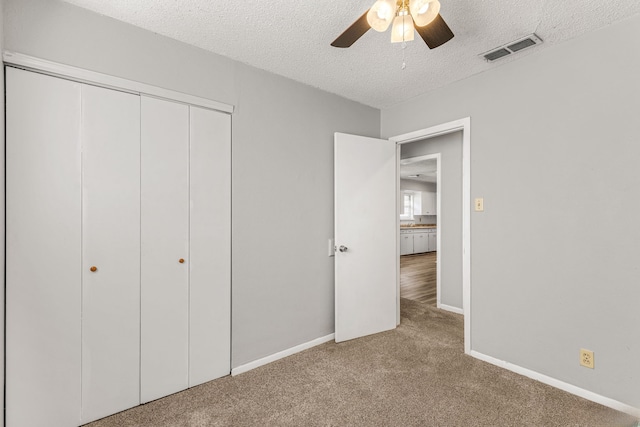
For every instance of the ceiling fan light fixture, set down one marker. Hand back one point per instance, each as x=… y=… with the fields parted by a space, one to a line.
x=424 y=11
x=403 y=29
x=381 y=14
x=408 y=16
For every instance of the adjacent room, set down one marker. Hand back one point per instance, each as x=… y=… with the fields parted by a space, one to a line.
x=374 y=212
x=418 y=230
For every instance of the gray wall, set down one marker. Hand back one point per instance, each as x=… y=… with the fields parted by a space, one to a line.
x=554 y=153
x=450 y=220
x=282 y=161
x=409 y=184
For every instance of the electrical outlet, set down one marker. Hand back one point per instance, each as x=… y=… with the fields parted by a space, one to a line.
x=479 y=204
x=586 y=358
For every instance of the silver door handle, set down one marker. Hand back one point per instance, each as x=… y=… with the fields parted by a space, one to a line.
x=343 y=248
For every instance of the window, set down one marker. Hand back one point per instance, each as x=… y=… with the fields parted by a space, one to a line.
x=407 y=206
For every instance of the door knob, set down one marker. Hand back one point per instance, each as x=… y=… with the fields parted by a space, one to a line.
x=94 y=269
x=343 y=248
x=181 y=260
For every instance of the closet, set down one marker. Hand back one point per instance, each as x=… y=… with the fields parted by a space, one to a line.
x=118 y=249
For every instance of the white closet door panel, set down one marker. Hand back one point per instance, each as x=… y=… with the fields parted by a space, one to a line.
x=43 y=239
x=210 y=240
x=111 y=243
x=165 y=240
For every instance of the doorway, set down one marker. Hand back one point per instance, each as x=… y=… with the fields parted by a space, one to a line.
x=419 y=192
x=367 y=271
x=463 y=127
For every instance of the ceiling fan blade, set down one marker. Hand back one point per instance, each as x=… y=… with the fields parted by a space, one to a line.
x=353 y=33
x=436 y=33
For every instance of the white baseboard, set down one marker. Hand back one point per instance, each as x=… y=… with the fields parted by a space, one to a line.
x=451 y=308
x=570 y=388
x=281 y=354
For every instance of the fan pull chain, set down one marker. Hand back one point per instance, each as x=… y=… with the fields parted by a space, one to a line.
x=404 y=63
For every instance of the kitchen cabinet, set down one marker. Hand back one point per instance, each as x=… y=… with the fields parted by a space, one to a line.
x=428 y=203
x=417 y=240
x=406 y=243
x=433 y=241
x=420 y=242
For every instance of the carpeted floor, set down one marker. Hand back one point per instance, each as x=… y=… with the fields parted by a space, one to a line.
x=416 y=375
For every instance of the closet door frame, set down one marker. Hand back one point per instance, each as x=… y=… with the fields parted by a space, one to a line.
x=68 y=72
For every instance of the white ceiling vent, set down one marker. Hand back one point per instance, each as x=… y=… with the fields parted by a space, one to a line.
x=512 y=47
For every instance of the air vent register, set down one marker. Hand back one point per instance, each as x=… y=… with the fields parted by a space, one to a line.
x=511 y=48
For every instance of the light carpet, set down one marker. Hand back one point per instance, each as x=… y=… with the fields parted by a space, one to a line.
x=415 y=375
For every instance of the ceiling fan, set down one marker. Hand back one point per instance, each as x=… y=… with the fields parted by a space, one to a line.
x=406 y=15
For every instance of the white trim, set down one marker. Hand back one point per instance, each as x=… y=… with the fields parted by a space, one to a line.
x=281 y=354
x=442 y=129
x=465 y=126
x=27 y=62
x=398 y=206
x=553 y=382
x=451 y=308
x=440 y=219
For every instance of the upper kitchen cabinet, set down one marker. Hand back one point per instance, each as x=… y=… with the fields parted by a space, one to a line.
x=424 y=203
x=428 y=203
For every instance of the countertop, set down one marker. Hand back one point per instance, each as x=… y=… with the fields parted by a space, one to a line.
x=411 y=227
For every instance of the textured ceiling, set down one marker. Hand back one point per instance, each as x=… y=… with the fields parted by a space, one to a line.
x=426 y=169
x=292 y=38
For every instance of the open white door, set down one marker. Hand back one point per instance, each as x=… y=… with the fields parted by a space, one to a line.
x=366 y=236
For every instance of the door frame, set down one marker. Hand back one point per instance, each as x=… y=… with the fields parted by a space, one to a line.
x=407 y=161
x=463 y=125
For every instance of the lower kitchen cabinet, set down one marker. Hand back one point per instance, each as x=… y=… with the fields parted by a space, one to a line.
x=417 y=241
x=406 y=244
x=420 y=243
x=433 y=242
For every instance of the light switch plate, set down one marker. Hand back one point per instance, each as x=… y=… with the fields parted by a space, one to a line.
x=479 y=204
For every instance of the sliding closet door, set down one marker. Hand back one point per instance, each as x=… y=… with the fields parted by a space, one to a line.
x=210 y=314
x=43 y=272
x=111 y=252
x=165 y=248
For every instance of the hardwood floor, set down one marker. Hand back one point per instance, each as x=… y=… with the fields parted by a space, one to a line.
x=418 y=277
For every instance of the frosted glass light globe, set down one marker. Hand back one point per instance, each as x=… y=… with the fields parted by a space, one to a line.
x=424 y=11
x=381 y=14
x=402 y=30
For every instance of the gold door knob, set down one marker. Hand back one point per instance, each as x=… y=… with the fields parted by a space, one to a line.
x=181 y=260
x=94 y=269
